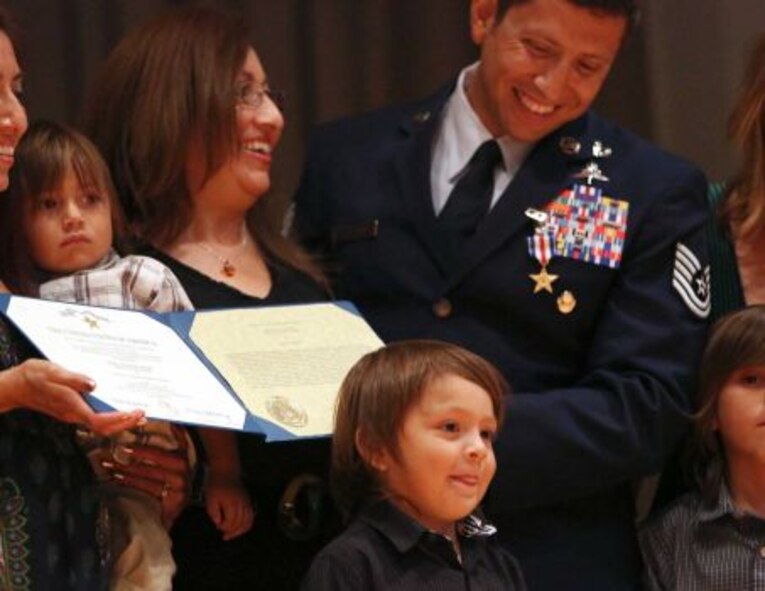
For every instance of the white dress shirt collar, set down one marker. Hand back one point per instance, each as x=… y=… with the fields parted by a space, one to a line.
x=459 y=135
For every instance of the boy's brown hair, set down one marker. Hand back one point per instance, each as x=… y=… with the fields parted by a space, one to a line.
x=43 y=157
x=737 y=340
x=375 y=397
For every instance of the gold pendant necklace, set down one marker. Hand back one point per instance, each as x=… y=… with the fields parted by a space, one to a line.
x=227 y=268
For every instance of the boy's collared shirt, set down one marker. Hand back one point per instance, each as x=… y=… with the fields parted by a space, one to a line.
x=131 y=282
x=694 y=545
x=385 y=549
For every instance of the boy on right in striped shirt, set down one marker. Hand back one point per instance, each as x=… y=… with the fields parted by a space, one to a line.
x=713 y=538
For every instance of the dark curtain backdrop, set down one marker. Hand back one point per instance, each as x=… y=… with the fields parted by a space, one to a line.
x=339 y=57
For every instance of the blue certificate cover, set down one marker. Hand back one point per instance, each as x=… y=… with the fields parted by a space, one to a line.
x=269 y=370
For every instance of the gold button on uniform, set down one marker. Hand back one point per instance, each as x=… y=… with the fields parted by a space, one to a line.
x=442 y=308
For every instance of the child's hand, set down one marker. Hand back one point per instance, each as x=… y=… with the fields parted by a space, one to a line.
x=228 y=505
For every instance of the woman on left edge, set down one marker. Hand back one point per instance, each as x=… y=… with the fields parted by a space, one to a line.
x=50 y=517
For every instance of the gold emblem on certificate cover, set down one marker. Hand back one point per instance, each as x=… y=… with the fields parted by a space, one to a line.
x=281 y=409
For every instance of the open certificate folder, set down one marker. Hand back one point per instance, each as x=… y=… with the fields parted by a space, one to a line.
x=271 y=370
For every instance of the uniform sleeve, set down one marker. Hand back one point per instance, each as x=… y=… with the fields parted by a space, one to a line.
x=623 y=419
x=310 y=221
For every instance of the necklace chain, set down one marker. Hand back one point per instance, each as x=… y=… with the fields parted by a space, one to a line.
x=227 y=267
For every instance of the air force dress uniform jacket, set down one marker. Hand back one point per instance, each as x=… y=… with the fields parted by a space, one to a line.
x=601 y=364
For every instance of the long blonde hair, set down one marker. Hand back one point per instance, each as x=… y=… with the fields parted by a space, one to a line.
x=744 y=208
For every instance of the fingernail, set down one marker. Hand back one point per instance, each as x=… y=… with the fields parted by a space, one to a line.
x=126 y=449
x=142 y=421
x=91 y=384
x=107 y=465
x=118 y=476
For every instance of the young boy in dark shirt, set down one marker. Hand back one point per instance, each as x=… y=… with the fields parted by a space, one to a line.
x=412 y=458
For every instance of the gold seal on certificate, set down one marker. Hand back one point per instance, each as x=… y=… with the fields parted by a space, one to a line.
x=286 y=413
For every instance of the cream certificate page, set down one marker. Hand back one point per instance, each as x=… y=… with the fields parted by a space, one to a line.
x=136 y=361
x=286 y=363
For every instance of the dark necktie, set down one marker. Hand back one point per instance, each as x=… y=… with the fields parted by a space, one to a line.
x=470 y=198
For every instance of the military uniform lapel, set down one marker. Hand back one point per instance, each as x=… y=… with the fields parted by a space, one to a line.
x=412 y=166
x=544 y=174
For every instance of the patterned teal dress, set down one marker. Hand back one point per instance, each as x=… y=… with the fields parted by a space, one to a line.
x=49 y=501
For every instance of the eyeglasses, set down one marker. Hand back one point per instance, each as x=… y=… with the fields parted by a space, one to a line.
x=251 y=96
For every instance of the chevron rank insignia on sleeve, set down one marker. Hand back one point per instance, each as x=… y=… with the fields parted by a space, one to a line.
x=691 y=281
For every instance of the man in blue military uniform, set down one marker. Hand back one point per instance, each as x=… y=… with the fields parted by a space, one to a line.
x=505 y=216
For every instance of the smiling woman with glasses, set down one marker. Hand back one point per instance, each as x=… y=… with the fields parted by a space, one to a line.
x=188 y=124
x=252 y=95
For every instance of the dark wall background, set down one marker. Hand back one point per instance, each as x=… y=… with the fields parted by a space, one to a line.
x=674 y=82
x=695 y=52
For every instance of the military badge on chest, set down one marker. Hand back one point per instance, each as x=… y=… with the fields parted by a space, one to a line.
x=581 y=223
